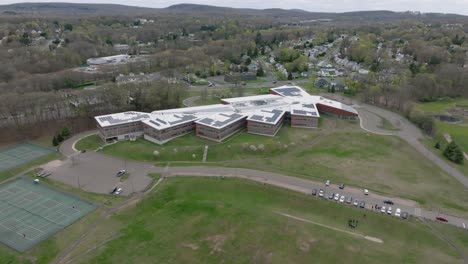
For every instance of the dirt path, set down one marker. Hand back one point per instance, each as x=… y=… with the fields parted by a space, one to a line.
x=373 y=239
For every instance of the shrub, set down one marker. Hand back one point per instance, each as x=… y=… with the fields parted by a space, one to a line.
x=55 y=141
x=261 y=147
x=453 y=153
x=156 y=154
x=253 y=148
x=425 y=123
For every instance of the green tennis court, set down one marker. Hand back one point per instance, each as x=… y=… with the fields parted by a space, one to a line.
x=30 y=212
x=20 y=154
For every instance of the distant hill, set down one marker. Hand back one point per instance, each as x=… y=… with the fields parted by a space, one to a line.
x=66 y=9
x=72 y=8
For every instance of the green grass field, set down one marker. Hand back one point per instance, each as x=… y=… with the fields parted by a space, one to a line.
x=458 y=133
x=234 y=148
x=442 y=105
x=189 y=220
x=91 y=142
x=208 y=101
x=349 y=155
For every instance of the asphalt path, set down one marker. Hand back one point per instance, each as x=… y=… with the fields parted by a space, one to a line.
x=370 y=121
x=95 y=172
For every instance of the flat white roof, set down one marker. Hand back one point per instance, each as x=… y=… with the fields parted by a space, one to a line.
x=198 y=110
x=261 y=108
x=120 y=118
x=249 y=99
x=267 y=116
x=163 y=121
x=220 y=120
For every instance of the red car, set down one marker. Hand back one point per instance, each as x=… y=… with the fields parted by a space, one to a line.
x=442 y=219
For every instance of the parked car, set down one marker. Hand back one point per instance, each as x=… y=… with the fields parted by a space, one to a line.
x=327 y=183
x=337 y=196
x=362 y=204
x=321 y=193
x=404 y=215
x=331 y=195
x=342 y=186
x=349 y=200
x=388 y=202
x=355 y=203
x=441 y=218
x=314 y=192
x=113 y=190
x=342 y=198
x=383 y=209
x=389 y=210
x=39 y=174
x=119 y=190
x=398 y=212
x=121 y=172
x=46 y=174
x=366 y=192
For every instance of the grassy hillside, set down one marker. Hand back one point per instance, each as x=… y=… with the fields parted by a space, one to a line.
x=200 y=220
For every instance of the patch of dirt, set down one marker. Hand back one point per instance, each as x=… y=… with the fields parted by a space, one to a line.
x=448 y=137
x=190 y=245
x=305 y=246
x=217 y=242
x=52 y=165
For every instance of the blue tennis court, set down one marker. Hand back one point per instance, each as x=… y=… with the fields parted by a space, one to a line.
x=21 y=154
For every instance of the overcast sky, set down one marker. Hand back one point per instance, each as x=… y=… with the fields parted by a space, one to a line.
x=442 y=6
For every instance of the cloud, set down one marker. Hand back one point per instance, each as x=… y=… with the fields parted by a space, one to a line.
x=448 y=6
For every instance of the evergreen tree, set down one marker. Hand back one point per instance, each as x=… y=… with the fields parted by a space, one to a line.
x=437 y=145
x=260 y=72
x=290 y=76
x=55 y=141
x=454 y=153
x=59 y=138
x=65 y=132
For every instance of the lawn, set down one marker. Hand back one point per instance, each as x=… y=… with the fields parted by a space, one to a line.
x=340 y=152
x=458 y=133
x=383 y=164
x=386 y=124
x=207 y=101
x=200 y=83
x=91 y=142
x=441 y=105
x=190 y=148
x=201 y=220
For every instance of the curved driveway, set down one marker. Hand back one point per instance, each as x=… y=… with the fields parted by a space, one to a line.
x=95 y=172
x=370 y=116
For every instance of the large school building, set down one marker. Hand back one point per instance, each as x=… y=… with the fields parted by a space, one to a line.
x=259 y=114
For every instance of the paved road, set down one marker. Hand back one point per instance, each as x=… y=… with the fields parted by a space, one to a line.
x=306 y=187
x=95 y=172
x=370 y=116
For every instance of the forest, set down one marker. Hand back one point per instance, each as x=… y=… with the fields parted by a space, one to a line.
x=410 y=57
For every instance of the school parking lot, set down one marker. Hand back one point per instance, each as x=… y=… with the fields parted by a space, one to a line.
x=95 y=172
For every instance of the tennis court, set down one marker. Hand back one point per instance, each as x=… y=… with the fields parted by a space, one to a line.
x=20 y=154
x=30 y=212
